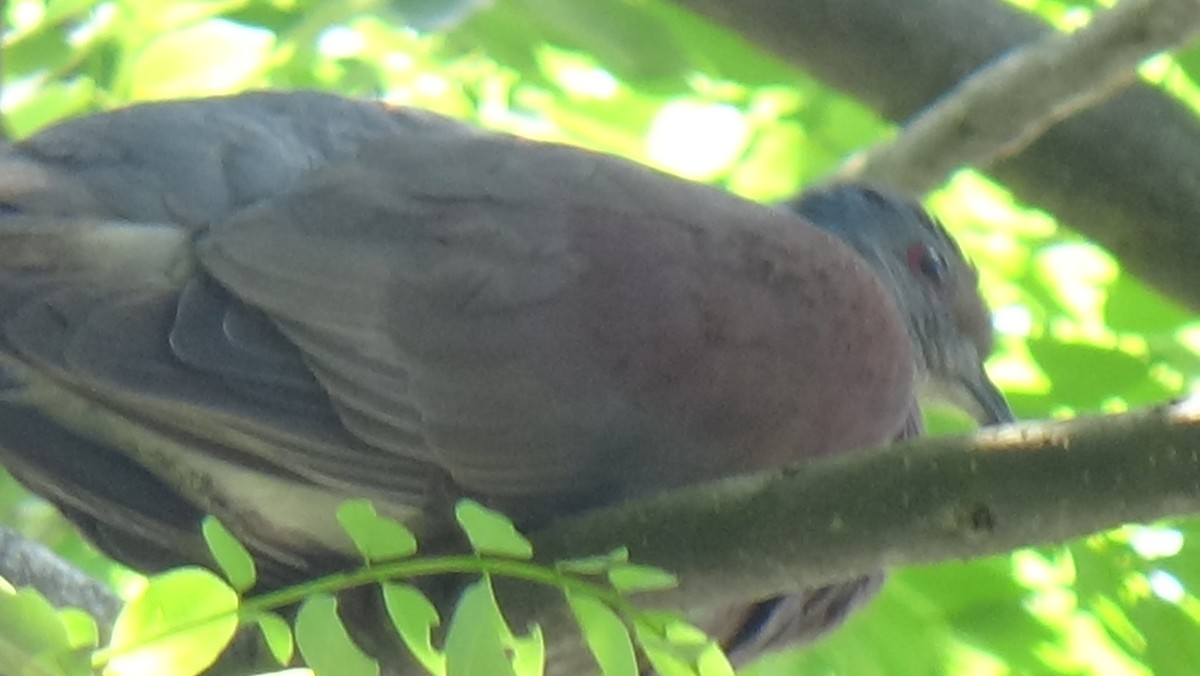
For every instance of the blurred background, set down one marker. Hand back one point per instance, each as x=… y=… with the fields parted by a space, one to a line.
x=650 y=81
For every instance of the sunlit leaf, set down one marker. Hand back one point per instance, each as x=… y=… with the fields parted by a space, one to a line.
x=81 y=628
x=527 y=652
x=324 y=643
x=473 y=641
x=415 y=619
x=277 y=635
x=713 y=662
x=629 y=578
x=232 y=557
x=179 y=624
x=606 y=635
x=665 y=659
x=217 y=55
x=33 y=639
x=490 y=532
x=378 y=538
x=594 y=565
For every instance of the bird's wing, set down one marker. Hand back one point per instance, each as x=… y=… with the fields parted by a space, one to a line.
x=116 y=370
x=192 y=162
x=554 y=326
x=438 y=312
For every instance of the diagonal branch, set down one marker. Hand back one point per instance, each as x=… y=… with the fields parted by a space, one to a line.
x=1125 y=172
x=921 y=502
x=25 y=563
x=1007 y=105
x=925 y=501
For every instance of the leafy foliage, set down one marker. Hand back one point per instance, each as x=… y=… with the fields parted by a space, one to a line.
x=182 y=620
x=645 y=80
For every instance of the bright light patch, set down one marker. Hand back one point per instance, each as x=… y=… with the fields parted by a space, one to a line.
x=24 y=15
x=340 y=42
x=398 y=61
x=588 y=82
x=1155 y=543
x=1166 y=586
x=697 y=140
x=1013 y=320
x=1188 y=409
x=579 y=76
x=1189 y=337
x=1080 y=274
x=1156 y=68
x=1035 y=571
x=95 y=24
x=1017 y=372
x=431 y=85
x=218 y=55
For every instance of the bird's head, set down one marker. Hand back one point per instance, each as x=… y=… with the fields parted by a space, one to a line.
x=934 y=287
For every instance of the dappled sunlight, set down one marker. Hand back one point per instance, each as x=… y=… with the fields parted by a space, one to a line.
x=672 y=140
x=1075 y=333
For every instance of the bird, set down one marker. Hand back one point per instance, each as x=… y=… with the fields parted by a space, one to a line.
x=260 y=305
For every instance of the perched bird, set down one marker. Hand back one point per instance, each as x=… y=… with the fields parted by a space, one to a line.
x=936 y=292
x=259 y=306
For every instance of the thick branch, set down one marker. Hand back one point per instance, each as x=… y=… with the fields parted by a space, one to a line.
x=1003 y=108
x=926 y=501
x=1126 y=173
x=24 y=563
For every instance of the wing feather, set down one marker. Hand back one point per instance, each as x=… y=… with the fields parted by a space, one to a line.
x=558 y=326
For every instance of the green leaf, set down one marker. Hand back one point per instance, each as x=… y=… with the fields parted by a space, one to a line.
x=81 y=628
x=231 y=556
x=681 y=633
x=377 y=538
x=664 y=660
x=629 y=578
x=594 y=565
x=528 y=652
x=1084 y=375
x=414 y=618
x=474 y=641
x=713 y=662
x=674 y=644
x=53 y=101
x=324 y=643
x=33 y=639
x=277 y=635
x=178 y=625
x=605 y=634
x=217 y=55
x=490 y=532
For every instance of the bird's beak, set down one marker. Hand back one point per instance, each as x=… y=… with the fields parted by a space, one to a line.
x=983 y=400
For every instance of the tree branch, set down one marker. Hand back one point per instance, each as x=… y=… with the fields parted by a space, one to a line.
x=925 y=501
x=25 y=563
x=1003 y=108
x=920 y=502
x=1126 y=172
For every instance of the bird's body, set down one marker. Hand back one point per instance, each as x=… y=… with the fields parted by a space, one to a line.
x=259 y=306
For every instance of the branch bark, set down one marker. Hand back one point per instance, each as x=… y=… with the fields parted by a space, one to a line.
x=1126 y=172
x=926 y=501
x=921 y=502
x=25 y=563
x=1008 y=104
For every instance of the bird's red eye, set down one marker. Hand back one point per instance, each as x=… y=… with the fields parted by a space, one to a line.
x=927 y=261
